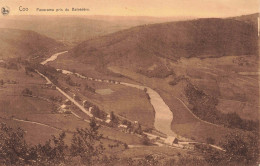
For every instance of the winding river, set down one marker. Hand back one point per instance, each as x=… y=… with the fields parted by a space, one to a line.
x=163 y=114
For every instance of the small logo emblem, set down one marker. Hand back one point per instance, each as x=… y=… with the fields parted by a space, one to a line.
x=5 y=10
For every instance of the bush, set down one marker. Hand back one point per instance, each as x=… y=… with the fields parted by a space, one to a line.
x=210 y=140
x=27 y=92
x=145 y=140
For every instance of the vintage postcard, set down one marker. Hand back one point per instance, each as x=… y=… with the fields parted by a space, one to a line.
x=129 y=82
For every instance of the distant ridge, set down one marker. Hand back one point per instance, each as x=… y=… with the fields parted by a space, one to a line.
x=251 y=19
x=25 y=44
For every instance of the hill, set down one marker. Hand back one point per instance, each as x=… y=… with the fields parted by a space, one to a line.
x=26 y=44
x=73 y=30
x=197 y=38
x=250 y=19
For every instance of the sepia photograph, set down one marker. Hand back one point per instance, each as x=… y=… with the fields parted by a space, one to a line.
x=129 y=83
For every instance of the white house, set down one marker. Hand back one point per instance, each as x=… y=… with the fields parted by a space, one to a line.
x=122 y=126
x=63 y=106
x=90 y=109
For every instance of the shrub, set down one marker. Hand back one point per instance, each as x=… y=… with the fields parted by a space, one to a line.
x=210 y=140
x=145 y=140
x=26 y=92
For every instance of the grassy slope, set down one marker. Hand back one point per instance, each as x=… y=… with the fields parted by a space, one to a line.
x=141 y=46
x=12 y=103
x=26 y=44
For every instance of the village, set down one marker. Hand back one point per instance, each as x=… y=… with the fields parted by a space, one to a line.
x=150 y=137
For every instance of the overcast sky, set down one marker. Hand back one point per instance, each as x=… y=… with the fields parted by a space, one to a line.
x=158 y=8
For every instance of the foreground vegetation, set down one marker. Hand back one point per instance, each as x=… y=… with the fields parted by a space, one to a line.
x=87 y=148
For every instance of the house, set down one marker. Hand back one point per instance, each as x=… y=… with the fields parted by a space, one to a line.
x=122 y=126
x=90 y=109
x=108 y=119
x=85 y=102
x=171 y=140
x=64 y=109
x=63 y=106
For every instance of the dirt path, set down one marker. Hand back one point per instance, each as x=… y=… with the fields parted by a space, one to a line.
x=37 y=123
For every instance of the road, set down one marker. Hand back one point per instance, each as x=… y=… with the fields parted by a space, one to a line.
x=163 y=114
x=66 y=95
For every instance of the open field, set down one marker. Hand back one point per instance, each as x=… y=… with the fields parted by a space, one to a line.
x=39 y=109
x=130 y=102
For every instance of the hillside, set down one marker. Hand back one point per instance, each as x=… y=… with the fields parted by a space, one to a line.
x=26 y=44
x=73 y=30
x=197 y=38
x=250 y=19
x=210 y=54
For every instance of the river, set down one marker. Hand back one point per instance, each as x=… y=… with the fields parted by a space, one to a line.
x=53 y=57
x=163 y=114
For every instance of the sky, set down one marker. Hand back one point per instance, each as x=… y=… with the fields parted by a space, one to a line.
x=156 y=8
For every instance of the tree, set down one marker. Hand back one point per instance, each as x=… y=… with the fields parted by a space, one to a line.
x=53 y=152
x=87 y=144
x=113 y=118
x=138 y=129
x=13 y=148
x=210 y=140
x=242 y=148
x=145 y=140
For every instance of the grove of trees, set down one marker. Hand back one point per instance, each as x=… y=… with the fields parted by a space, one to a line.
x=204 y=106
